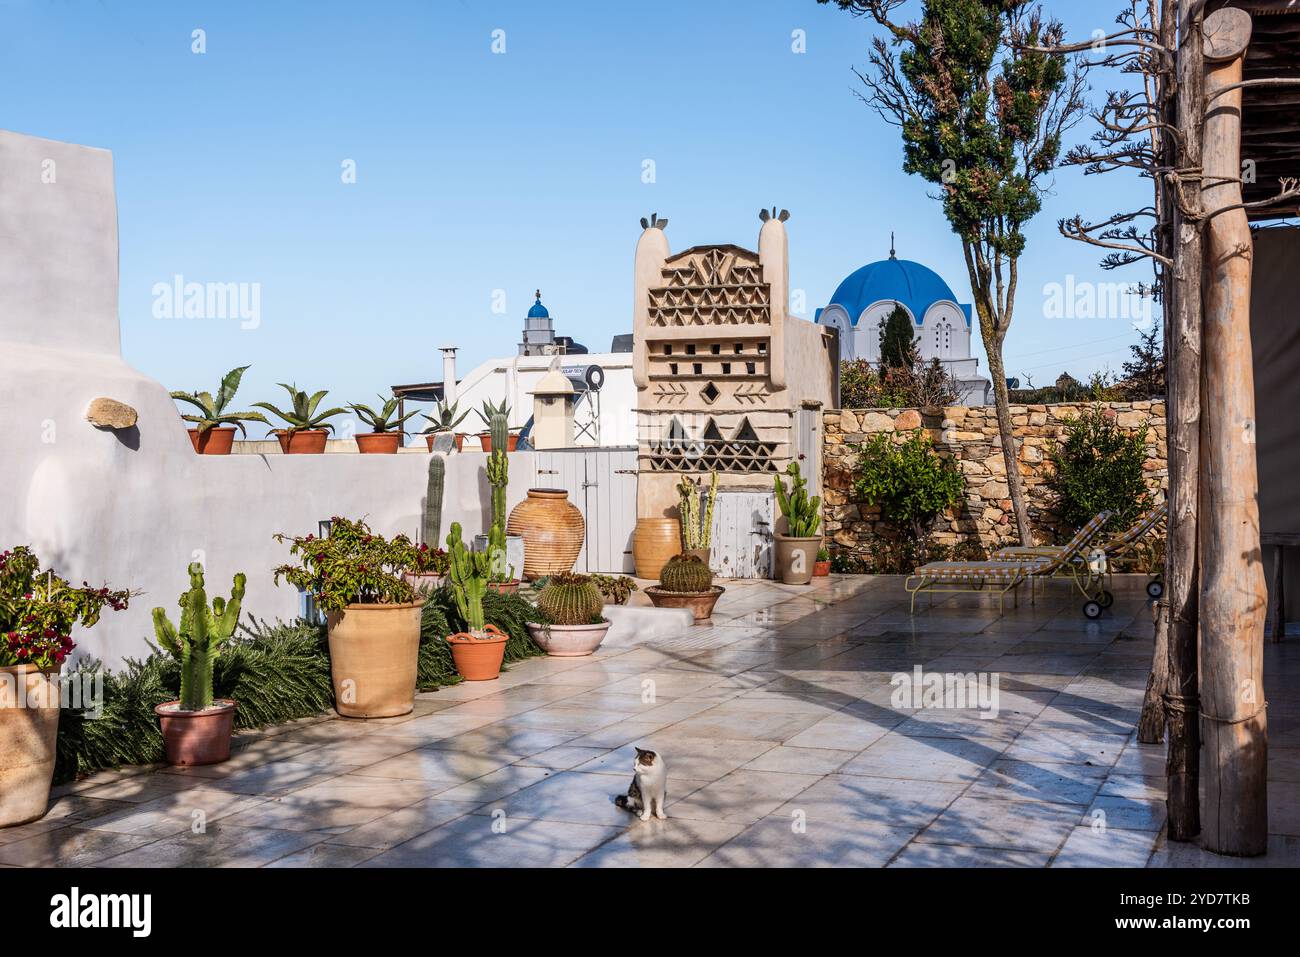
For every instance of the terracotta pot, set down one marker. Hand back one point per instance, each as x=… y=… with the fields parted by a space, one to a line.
x=302 y=442
x=504 y=588
x=568 y=641
x=374 y=653
x=699 y=602
x=460 y=441
x=422 y=580
x=485 y=440
x=795 y=558
x=821 y=569
x=192 y=738
x=29 y=729
x=217 y=440
x=654 y=542
x=378 y=443
x=553 y=531
x=478 y=658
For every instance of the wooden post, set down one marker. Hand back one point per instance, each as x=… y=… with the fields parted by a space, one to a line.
x=1232 y=587
x=1183 y=425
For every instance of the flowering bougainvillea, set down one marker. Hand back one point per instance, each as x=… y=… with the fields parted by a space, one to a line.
x=38 y=610
x=351 y=565
x=429 y=561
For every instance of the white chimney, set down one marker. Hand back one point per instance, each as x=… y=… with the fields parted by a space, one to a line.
x=448 y=374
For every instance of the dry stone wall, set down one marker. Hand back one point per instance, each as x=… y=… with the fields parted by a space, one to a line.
x=969 y=436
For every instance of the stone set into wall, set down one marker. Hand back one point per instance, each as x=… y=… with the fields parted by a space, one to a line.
x=970 y=437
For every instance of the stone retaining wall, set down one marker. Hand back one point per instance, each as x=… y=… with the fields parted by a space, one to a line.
x=969 y=435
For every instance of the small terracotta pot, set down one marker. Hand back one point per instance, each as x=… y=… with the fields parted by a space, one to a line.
x=217 y=440
x=302 y=442
x=553 y=531
x=191 y=738
x=460 y=442
x=821 y=569
x=795 y=558
x=568 y=641
x=654 y=542
x=477 y=658
x=29 y=729
x=699 y=602
x=485 y=440
x=374 y=658
x=378 y=443
x=504 y=588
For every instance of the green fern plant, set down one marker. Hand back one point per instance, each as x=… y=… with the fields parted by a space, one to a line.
x=212 y=409
x=304 y=413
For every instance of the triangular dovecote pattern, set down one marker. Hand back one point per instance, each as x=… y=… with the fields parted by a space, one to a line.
x=720 y=285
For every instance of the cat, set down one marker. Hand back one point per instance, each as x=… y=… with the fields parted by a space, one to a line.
x=649 y=788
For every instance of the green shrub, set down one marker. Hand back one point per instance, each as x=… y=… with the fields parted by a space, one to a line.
x=910 y=483
x=1098 y=466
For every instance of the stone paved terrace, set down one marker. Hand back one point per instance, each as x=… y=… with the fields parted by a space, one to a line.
x=777 y=713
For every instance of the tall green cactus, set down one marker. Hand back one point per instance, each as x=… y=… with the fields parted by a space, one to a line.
x=202 y=633
x=469 y=573
x=803 y=515
x=498 y=474
x=432 y=531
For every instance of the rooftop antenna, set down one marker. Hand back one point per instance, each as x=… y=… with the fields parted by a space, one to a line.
x=891 y=245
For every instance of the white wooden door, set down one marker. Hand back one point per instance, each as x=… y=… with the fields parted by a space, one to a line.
x=808 y=444
x=742 y=534
x=602 y=484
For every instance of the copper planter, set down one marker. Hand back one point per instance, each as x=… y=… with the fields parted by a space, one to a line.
x=192 y=738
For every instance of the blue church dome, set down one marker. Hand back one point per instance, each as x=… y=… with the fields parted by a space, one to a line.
x=538 y=311
x=916 y=286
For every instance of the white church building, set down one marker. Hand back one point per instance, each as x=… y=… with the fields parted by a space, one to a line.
x=867 y=296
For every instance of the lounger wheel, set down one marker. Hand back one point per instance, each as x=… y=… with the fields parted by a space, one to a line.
x=1092 y=609
x=1107 y=599
x=1155 y=588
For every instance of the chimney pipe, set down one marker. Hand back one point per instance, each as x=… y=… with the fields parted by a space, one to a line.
x=448 y=374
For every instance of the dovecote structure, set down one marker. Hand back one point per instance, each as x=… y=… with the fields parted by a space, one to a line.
x=721 y=368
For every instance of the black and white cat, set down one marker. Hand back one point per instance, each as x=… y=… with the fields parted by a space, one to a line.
x=649 y=787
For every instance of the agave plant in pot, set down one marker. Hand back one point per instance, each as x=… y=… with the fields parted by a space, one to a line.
x=444 y=420
x=386 y=427
x=571 y=624
x=686 y=582
x=489 y=411
x=307 y=426
x=478 y=652
x=796 y=550
x=372 y=613
x=38 y=611
x=196 y=729
x=214 y=425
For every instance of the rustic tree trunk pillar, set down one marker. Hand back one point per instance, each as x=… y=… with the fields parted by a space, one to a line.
x=1183 y=432
x=1235 y=819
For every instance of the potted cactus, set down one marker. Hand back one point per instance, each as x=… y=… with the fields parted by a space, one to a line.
x=796 y=550
x=695 y=509
x=570 y=610
x=478 y=652
x=686 y=582
x=822 y=567
x=386 y=427
x=38 y=611
x=214 y=426
x=444 y=420
x=371 y=610
x=196 y=729
x=428 y=561
x=506 y=551
x=307 y=428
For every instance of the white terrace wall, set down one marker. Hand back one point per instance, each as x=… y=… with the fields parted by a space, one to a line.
x=132 y=508
x=969 y=436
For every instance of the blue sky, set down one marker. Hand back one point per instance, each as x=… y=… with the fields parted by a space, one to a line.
x=479 y=172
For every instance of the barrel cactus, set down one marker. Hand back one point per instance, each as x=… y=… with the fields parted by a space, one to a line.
x=432 y=530
x=570 y=600
x=685 y=573
x=199 y=639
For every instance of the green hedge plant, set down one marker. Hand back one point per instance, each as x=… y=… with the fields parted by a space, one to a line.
x=1095 y=466
x=909 y=481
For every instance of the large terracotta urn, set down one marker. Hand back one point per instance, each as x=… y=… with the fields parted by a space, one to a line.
x=552 y=529
x=374 y=658
x=29 y=728
x=654 y=542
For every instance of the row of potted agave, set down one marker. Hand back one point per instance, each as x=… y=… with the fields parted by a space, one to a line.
x=307 y=426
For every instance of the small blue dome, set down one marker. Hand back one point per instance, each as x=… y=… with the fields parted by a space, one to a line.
x=917 y=287
x=538 y=311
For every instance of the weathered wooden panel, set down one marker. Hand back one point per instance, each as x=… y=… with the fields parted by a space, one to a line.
x=602 y=484
x=742 y=534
